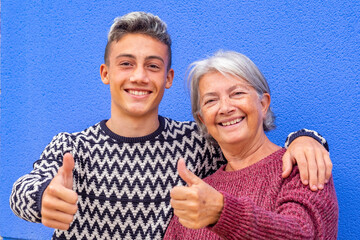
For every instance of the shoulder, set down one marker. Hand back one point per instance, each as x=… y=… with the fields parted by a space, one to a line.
x=179 y=129
x=173 y=124
x=69 y=139
x=92 y=133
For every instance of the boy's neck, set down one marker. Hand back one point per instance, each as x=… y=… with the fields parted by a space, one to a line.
x=133 y=127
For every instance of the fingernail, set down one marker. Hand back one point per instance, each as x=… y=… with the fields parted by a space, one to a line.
x=306 y=182
x=314 y=187
x=321 y=186
x=327 y=180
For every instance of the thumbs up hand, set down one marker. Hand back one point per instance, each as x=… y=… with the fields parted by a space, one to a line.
x=197 y=205
x=58 y=205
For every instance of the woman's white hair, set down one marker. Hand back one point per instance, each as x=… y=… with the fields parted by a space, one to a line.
x=227 y=63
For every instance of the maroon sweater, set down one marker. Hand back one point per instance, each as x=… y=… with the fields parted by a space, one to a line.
x=260 y=204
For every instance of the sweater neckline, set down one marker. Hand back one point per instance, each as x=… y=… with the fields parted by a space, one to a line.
x=120 y=138
x=252 y=167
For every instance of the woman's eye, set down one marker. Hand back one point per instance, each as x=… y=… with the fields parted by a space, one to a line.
x=208 y=101
x=238 y=93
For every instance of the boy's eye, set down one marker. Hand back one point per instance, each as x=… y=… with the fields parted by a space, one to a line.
x=154 y=66
x=125 y=64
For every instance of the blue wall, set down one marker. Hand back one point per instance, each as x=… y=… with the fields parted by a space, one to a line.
x=51 y=52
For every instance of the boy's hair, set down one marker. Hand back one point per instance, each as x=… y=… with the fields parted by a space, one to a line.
x=138 y=22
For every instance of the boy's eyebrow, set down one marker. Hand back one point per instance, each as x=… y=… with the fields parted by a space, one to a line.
x=125 y=55
x=155 y=57
x=147 y=58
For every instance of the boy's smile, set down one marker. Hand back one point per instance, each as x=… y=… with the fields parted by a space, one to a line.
x=137 y=75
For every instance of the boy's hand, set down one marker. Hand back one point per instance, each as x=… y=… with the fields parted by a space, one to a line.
x=312 y=159
x=58 y=205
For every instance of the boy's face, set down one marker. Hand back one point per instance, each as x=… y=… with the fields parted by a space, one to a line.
x=137 y=74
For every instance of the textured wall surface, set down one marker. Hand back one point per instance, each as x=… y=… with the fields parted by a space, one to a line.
x=51 y=52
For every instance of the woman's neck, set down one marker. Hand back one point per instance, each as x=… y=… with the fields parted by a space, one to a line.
x=243 y=155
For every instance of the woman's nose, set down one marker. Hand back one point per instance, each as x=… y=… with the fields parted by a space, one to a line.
x=226 y=106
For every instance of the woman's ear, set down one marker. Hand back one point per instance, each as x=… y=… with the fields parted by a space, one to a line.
x=200 y=118
x=104 y=74
x=265 y=103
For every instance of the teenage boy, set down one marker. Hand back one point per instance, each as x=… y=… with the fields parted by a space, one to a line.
x=112 y=180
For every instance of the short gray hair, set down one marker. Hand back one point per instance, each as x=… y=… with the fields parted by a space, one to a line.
x=227 y=63
x=138 y=22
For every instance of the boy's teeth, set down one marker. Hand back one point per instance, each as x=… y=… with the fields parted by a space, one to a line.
x=139 y=93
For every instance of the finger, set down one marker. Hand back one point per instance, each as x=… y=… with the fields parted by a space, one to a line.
x=68 y=163
x=66 y=171
x=55 y=224
x=189 y=177
x=287 y=165
x=180 y=193
x=63 y=193
x=320 y=170
x=181 y=213
x=189 y=223
x=177 y=193
x=58 y=216
x=52 y=203
x=328 y=165
x=303 y=168
x=313 y=170
x=185 y=222
x=176 y=204
x=184 y=205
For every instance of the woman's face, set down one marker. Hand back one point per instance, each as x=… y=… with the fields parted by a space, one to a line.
x=231 y=109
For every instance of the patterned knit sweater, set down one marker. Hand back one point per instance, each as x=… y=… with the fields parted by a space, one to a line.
x=259 y=204
x=123 y=183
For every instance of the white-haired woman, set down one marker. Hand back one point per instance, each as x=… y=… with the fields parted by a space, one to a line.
x=247 y=198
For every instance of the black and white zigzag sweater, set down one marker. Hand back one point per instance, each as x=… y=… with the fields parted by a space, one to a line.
x=123 y=183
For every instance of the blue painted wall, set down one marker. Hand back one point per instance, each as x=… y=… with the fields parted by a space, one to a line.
x=51 y=52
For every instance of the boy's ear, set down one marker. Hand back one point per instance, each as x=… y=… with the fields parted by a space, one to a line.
x=169 y=78
x=104 y=73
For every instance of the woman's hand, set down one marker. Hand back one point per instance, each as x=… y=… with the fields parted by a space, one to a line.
x=312 y=159
x=197 y=205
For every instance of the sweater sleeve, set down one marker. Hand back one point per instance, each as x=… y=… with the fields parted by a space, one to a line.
x=299 y=214
x=27 y=191
x=306 y=132
x=174 y=230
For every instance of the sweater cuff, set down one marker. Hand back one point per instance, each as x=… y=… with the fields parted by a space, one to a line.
x=306 y=132
x=228 y=224
x=40 y=194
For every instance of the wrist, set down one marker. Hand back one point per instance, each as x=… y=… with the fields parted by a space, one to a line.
x=218 y=205
x=306 y=132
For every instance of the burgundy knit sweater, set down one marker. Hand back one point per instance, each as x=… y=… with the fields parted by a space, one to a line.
x=260 y=204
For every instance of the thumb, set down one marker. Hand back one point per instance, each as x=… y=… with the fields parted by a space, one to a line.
x=287 y=165
x=189 y=177
x=66 y=171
